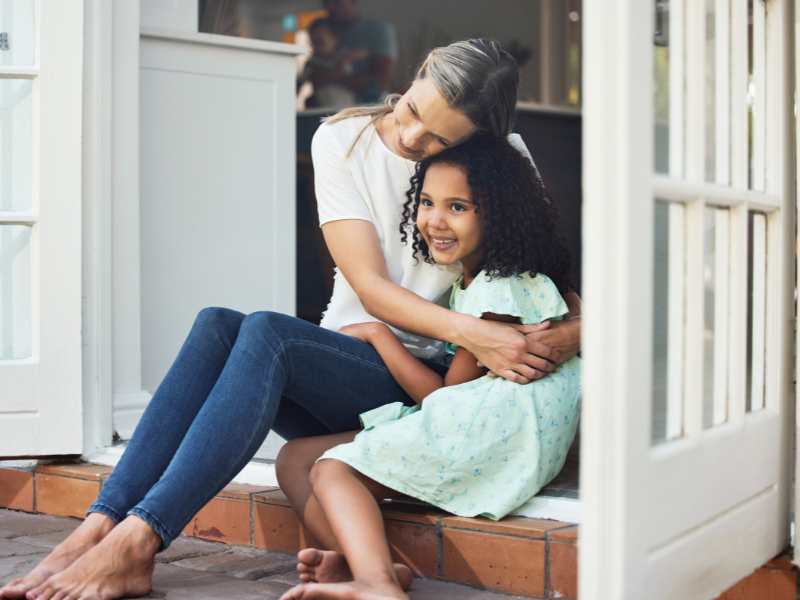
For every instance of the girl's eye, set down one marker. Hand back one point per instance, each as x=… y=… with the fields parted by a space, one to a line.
x=425 y=202
x=458 y=207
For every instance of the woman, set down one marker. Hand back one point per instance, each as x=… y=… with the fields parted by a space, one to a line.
x=236 y=376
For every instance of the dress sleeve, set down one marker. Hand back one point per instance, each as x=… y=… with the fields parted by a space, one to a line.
x=337 y=195
x=532 y=299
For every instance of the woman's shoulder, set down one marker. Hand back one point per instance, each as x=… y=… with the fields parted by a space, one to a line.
x=341 y=132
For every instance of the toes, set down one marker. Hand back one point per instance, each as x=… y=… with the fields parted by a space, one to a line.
x=294 y=593
x=310 y=556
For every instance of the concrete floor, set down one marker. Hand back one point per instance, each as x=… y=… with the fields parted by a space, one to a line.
x=191 y=569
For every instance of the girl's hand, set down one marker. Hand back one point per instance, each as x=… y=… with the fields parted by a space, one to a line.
x=366 y=331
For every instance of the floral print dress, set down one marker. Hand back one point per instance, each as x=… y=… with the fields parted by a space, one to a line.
x=487 y=446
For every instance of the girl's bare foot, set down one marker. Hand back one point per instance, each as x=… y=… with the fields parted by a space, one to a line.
x=327 y=566
x=86 y=536
x=351 y=590
x=121 y=566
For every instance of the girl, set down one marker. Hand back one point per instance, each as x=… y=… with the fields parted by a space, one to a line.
x=472 y=444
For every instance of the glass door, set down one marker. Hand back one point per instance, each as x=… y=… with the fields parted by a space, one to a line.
x=41 y=59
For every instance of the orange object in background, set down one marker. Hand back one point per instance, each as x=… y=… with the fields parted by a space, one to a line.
x=304 y=19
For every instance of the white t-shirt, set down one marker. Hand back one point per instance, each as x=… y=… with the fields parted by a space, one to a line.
x=370 y=185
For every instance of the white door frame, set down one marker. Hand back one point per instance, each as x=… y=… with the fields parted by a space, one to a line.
x=630 y=541
x=112 y=311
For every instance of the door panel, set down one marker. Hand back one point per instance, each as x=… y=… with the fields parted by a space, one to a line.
x=686 y=424
x=41 y=59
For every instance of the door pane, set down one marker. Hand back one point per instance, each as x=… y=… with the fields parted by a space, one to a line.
x=16 y=32
x=756 y=310
x=669 y=271
x=16 y=137
x=715 y=315
x=711 y=89
x=661 y=86
x=15 y=292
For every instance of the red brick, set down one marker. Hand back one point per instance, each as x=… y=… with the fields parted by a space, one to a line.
x=85 y=471
x=64 y=496
x=414 y=544
x=16 y=489
x=764 y=584
x=517 y=526
x=222 y=520
x=276 y=527
x=565 y=534
x=563 y=570
x=509 y=564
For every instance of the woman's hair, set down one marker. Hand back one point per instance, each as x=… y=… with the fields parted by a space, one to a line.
x=477 y=77
x=518 y=220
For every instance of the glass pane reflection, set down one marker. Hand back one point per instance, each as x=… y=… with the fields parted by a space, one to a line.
x=15 y=292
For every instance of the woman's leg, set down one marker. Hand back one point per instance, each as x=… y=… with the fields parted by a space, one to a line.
x=348 y=501
x=161 y=429
x=331 y=376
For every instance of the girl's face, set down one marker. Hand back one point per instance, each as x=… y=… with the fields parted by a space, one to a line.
x=422 y=123
x=448 y=219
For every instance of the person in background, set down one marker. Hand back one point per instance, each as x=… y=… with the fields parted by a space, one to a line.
x=376 y=45
x=327 y=66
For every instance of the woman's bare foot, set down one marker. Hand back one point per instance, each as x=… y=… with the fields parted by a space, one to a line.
x=119 y=566
x=351 y=590
x=327 y=566
x=88 y=534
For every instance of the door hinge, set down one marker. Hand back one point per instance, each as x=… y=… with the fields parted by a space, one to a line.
x=4 y=41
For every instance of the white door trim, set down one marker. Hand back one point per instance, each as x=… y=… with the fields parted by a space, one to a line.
x=114 y=398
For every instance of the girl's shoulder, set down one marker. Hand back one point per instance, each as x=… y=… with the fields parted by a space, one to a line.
x=530 y=298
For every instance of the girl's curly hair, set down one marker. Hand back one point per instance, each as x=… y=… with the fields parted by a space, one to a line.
x=518 y=219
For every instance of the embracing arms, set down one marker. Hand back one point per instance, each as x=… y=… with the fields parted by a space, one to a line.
x=520 y=353
x=410 y=373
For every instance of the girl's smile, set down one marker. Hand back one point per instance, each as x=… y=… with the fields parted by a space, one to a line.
x=447 y=218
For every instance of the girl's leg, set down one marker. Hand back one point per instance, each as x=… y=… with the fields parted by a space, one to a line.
x=331 y=376
x=348 y=501
x=324 y=562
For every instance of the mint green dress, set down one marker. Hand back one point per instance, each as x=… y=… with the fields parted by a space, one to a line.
x=487 y=446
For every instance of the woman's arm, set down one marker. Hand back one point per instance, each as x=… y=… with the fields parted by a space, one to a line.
x=355 y=249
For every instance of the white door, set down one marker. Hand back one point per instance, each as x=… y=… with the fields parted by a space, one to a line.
x=688 y=262
x=41 y=57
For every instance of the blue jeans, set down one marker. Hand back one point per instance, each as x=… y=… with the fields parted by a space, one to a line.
x=235 y=378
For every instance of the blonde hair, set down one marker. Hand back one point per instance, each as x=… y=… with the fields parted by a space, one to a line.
x=476 y=77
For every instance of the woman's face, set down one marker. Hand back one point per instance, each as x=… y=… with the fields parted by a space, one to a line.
x=423 y=124
x=447 y=217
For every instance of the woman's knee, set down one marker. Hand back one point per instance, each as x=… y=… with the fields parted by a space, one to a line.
x=224 y=321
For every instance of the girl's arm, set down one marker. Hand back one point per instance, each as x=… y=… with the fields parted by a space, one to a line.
x=356 y=250
x=410 y=373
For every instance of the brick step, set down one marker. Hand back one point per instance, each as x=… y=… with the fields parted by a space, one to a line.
x=528 y=557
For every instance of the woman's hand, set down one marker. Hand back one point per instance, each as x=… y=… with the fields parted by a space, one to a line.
x=366 y=331
x=522 y=353
x=557 y=341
